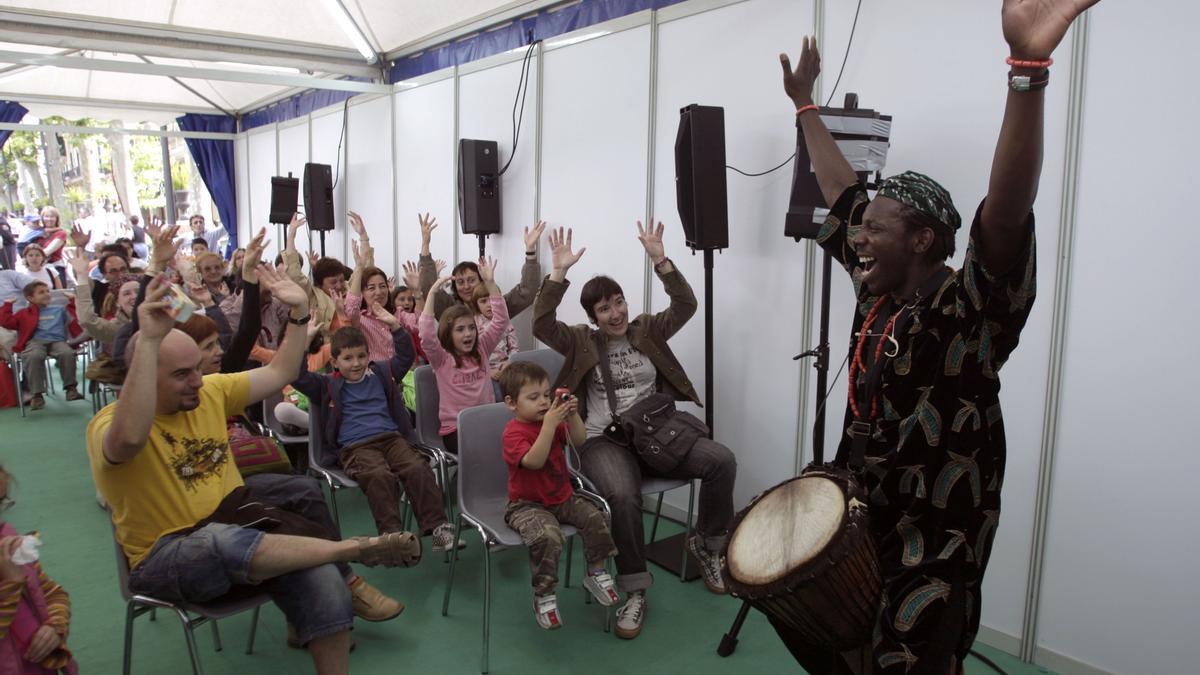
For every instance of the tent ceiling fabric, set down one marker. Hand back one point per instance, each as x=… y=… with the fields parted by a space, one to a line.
x=278 y=35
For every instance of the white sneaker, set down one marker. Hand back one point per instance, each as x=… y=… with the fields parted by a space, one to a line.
x=545 y=608
x=631 y=615
x=443 y=538
x=710 y=564
x=600 y=585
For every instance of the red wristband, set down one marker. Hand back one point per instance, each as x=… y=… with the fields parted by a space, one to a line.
x=805 y=108
x=1018 y=63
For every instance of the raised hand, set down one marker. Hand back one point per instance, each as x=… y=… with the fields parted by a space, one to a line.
x=165 y=247
x=79 y=237
x=200 y=294
x=360 y=251
x=312 y=259
x=253 y=257
x=560 y=247
x=412 y=277
x=651 y=238
x=314 y=329
x=292 y=228
x=380 y=312
x=533 y=236
x=282 y=287
x=356 y=222
x=487 y=270
x=428 y=225
x=439 y=266
x=154 y=318
x=79 y=263
x=798 y=84
x=1033 y=28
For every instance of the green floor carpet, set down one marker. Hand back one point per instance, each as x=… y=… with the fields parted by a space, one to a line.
x=54 y=495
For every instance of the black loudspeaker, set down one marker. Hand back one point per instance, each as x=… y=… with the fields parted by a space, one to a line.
x=478 y=186
x=700 y=177
x=318 y=196
x=285 y=193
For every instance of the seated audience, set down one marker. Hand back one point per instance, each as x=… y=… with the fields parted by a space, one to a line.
x=35 y=612
x=458 y=352
x=183 y=517
x=43 y=330
x=540 y=496
x=641 y=364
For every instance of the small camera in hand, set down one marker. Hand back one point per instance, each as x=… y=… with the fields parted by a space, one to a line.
x=562 y=394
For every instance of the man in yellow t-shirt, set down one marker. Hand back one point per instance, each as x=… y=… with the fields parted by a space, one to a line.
x=160 y=456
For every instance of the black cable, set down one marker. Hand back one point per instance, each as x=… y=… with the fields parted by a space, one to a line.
x=821 y=405
x=522 y=91
x=341 y=137
x=990 y=663
x=763 y=173
x=845 y=58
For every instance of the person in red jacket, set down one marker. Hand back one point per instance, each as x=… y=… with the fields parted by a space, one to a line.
x=43 y=331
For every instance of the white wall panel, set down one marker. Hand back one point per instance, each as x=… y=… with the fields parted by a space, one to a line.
x=424 y=171
x=594 y=158
x=262 y=167
x=293 y=154
x=369 y=176
x=241 y=169
x=1119 y=589
x=326 y=133
x=727 y=57
x=952 y=137
x=485 y=112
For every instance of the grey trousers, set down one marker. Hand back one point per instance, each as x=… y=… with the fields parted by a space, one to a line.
x=33 y=360
x=617 y=473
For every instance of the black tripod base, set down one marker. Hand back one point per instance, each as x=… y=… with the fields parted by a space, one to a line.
x=729 y=641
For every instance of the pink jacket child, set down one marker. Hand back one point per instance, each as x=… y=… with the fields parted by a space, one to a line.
x=26 y=605
x=462 y=382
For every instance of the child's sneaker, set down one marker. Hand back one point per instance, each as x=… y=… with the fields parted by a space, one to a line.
x=443 y=538
x=710 y=564
x=545 y=607
x=600 y=585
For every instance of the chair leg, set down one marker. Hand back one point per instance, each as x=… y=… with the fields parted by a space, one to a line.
x=657 y=515
x=253 y=630
x=570 y=555
x=127 y=661
x=691 y=503
x=19 y=373
x=333 y=507
x=487 y=604
x=191 y=644
x=453 y=560
x=216 y=637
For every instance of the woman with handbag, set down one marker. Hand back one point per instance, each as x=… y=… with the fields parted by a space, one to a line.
x=617 y=367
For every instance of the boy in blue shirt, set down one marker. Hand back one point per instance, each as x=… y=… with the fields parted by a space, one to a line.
x=43 y=330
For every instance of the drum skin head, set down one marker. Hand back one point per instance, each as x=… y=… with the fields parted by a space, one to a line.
x=785 y=529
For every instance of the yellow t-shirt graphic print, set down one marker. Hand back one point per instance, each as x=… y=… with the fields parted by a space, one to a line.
x=181 y=475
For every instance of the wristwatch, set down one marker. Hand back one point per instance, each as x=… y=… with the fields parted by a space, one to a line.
x=302 y=321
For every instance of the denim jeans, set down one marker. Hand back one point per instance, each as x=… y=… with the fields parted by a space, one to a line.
x=214 y=560
x=617 y=473
x=301 y=495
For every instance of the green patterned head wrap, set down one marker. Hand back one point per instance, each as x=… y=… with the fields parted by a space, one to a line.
x=923 y=194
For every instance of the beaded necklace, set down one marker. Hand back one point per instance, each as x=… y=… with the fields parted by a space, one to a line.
x=856 y=365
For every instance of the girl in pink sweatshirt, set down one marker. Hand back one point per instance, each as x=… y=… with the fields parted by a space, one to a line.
x=458 y=353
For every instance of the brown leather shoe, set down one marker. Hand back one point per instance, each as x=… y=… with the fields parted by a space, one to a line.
x=73 y=394
x=37 y=402
x=394 y=549
x=370 y=604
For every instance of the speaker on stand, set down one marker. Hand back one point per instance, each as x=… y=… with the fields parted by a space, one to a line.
x=318 y=199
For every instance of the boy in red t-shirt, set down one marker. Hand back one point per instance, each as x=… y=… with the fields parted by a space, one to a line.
x=539 y=489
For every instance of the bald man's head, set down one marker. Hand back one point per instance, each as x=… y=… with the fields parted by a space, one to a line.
x=179 y=377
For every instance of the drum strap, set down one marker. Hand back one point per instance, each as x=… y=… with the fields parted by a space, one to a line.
x=862 y=428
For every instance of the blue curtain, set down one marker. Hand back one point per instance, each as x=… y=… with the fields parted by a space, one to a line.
x=214 y=158
x=10 y=111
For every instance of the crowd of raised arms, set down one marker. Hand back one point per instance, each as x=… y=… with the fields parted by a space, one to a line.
x=191 y=340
